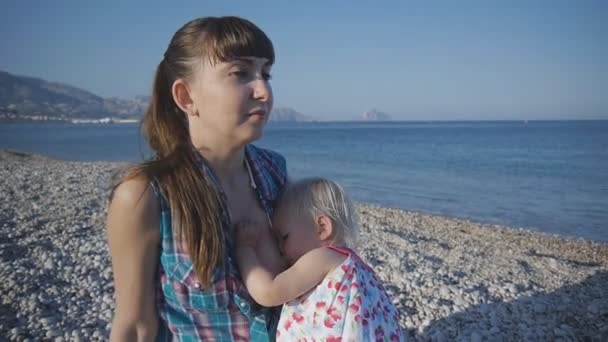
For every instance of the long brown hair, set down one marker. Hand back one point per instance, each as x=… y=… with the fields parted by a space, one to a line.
x=194 y=201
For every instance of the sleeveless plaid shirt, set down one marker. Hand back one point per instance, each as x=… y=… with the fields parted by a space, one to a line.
x=225 y=311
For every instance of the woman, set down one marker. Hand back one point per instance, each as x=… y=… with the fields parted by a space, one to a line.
x=169 y=220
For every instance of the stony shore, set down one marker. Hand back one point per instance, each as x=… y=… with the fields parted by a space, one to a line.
x=451 y=279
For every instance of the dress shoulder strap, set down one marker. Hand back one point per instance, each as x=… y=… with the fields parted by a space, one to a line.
x=343 y=250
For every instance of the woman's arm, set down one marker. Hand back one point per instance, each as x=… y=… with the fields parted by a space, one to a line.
x=269 y=289
x=133 y=237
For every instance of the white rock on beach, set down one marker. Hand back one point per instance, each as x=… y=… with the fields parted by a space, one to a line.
x=450 y=279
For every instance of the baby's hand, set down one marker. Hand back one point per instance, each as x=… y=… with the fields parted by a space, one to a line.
x=248 y=233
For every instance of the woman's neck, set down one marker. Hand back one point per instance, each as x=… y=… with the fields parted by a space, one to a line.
x=227 y=162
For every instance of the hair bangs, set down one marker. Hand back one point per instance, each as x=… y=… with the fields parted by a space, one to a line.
x=234 y=37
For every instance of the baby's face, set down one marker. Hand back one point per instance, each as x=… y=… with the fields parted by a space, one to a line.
x=296 y=236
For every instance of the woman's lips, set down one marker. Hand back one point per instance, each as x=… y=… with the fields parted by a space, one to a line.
x=258 y=114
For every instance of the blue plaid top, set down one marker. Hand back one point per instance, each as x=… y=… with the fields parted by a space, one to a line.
x=226 y=311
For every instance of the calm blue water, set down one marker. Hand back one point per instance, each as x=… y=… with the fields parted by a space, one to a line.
x=547 y=176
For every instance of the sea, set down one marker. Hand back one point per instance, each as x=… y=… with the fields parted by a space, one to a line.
x=548 y=176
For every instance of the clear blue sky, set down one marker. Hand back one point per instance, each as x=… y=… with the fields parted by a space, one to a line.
x=335 y=59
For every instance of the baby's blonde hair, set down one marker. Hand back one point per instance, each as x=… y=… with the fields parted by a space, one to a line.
x=310 y=197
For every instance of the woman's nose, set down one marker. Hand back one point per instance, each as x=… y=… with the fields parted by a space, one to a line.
x=262 y=90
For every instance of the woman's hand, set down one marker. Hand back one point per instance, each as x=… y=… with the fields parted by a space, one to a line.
x=248 y=233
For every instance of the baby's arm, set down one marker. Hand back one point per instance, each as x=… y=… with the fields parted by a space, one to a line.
x=270 y=289
x=268 y=252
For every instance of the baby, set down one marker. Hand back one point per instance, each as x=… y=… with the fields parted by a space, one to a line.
x=329 y=293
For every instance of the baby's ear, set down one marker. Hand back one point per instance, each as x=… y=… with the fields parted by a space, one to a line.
x=325 y=228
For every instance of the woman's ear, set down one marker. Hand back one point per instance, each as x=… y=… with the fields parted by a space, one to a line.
x=181 y=95
x=325 y=228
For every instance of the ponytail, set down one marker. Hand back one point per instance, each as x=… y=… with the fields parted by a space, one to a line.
x=194 y=201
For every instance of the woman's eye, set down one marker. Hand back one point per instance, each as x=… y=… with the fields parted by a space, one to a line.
x=238 y=73
x=267 y=76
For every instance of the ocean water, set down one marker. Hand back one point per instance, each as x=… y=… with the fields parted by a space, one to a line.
x=546 y=176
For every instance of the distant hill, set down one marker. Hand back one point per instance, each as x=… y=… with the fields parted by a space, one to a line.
x=288 y=114
x=133 y=107
x=375 y=115
x=32 y=99
x=28 y=98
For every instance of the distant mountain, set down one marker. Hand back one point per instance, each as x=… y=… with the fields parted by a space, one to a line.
x=28 y=98
x=288 y=114
x=375 y=115
x=134 y=107
x=32 y=96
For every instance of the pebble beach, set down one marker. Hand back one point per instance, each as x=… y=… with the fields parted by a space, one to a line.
x=451 y=279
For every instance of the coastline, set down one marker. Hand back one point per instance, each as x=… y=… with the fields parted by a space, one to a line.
x=51 y=120
x=450 y=278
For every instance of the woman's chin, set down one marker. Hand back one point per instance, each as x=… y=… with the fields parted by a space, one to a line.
x=253 y=133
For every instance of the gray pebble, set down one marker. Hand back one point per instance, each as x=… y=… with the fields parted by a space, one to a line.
x=438 y=336
x=540 y=308
x=459 y=301
x=49 y=264
x=52 y=333
x=597 y=308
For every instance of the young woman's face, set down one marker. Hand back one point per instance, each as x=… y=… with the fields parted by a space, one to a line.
x=233 y=99
x=295 y=236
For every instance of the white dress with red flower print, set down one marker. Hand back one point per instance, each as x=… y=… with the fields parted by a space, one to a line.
x=350 y=304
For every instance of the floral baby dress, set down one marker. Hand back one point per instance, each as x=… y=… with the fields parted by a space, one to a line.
x=350 y=304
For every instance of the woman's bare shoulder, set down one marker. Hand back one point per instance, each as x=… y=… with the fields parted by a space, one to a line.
x=133 y=204
x=133 y=191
